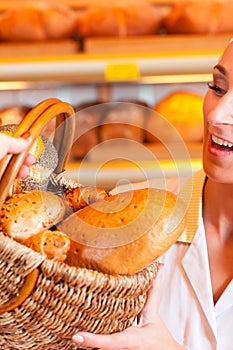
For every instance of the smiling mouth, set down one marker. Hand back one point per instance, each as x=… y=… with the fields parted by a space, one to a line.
x=220 y=143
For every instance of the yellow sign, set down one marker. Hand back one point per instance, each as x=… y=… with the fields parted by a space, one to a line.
x=122 y=71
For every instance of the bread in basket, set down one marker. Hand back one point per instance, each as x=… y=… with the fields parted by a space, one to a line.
x=43 y=301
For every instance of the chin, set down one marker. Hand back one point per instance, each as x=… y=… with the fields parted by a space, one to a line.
x=217 y=173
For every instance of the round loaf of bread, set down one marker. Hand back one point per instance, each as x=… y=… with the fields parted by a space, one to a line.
x=37 y=21
x=118 y=18
x=27 y=213
x=124 y=233
x=178 y=115
x=200 y=17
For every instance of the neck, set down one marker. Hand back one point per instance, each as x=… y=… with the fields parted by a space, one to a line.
x=217 y=208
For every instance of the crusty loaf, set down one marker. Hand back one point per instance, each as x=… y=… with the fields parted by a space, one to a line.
x=37 y=21
x=124 y=233
x=200 y=17
x=27 y=213
x=53 y=244
x=125 y=120
x=118 y=18
x=179 y=111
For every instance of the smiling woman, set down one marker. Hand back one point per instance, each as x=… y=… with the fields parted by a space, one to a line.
x=191 y=306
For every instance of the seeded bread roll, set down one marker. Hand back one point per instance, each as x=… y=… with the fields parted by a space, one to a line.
x=124 y=233
x=37 y=21
x=46 y=161
x=27 y=213
x=53 y=244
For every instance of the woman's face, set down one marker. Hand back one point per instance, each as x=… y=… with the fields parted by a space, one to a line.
x=218 y=120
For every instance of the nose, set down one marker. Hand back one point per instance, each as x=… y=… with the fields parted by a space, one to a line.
x=222 y=113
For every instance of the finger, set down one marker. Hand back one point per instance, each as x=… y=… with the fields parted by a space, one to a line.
x=149 y=312
x=30 y=159
x=23 y=172
x=13 y=145
x=116 y=341
x=18 y=144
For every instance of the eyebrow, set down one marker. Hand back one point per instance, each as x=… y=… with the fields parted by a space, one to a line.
x=221 y=69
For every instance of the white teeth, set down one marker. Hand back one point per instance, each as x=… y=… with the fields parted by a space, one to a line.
x=221 y=142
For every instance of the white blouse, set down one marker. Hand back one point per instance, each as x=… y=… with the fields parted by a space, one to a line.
x=186 y=303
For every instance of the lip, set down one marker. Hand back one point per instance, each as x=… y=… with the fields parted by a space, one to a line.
x=217 y=150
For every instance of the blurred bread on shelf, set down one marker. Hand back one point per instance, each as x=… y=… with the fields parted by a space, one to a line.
x=87 y=125
x=13 y=114
x=199 y=17
x=178 y=115
x=37 y=21
x=97 y=122
x=124 y=120
x=118 y=18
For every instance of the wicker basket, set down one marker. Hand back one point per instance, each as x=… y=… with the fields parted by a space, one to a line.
x=59 y=299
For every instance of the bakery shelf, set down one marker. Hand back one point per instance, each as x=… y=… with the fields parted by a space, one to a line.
x=148 y=60
x=119 y=173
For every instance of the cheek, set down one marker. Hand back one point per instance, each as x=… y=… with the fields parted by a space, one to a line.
x=207 y=107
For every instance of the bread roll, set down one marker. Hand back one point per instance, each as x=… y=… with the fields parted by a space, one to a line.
x=37 y=21
x=80 y=197
x=53 y=244
x=46 y=161
x=181 y=112
x=124 y=233
x=200 y=17
x=25 y=214
x=13 y=114
x=118 y=18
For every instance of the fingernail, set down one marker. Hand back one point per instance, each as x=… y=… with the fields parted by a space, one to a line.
x=26 y=135
x=78 y=338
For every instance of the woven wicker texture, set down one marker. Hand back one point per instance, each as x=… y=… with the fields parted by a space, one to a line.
x=63 y=299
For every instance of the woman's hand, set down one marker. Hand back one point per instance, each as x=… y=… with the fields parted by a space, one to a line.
x=13 y=145
x=150 y=334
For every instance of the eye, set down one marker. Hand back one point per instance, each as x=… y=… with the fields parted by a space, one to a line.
x=217 y=89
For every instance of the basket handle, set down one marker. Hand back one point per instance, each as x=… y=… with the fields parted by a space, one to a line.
x=34 y=122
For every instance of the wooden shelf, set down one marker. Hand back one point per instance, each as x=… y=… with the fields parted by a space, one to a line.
x=148 y=60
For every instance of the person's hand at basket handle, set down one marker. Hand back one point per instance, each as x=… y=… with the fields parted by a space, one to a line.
x=150 y=334
x=15 y=145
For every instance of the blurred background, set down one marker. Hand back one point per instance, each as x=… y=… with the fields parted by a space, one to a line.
x=134 y=71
